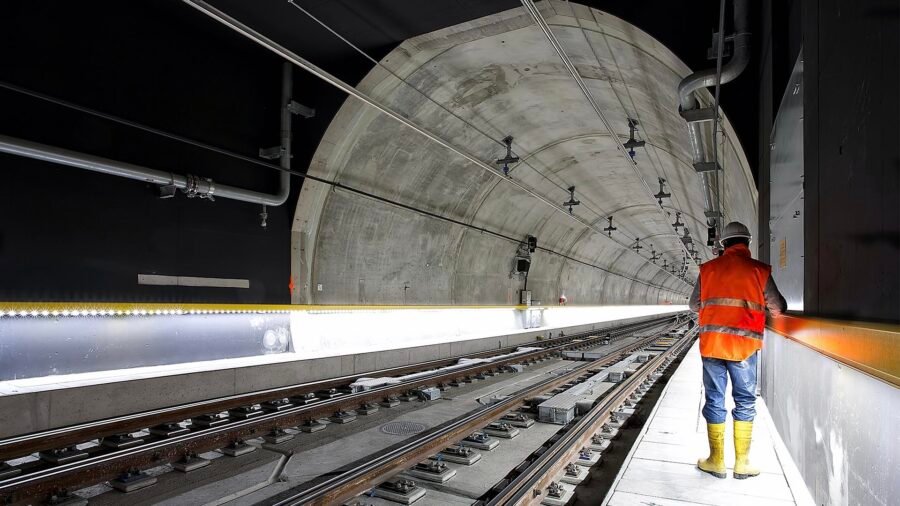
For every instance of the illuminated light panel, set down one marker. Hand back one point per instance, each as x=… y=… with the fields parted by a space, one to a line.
x=55 y=313
x=57 y=310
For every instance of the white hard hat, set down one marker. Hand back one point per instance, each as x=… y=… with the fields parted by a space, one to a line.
x=735 y=229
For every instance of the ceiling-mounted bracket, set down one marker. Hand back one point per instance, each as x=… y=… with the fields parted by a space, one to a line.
x=698 y=115
x=271 y=153
x=662 y=191
x=509 y=158
x=632 y=143
x=572 y=202
x=678 y=223
x=300 y=109
x=610 y=229
x=706 y=167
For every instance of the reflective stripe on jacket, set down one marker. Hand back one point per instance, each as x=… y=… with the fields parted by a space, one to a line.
x=732 y=305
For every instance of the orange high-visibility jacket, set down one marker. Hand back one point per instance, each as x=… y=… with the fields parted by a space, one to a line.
x=732 y=305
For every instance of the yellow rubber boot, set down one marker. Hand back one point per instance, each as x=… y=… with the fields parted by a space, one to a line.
x=742 y=434
x=715 y=464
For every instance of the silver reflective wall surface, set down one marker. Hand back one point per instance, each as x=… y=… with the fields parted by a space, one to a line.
x=841 y=426
x=786 y=192
x=42 y=346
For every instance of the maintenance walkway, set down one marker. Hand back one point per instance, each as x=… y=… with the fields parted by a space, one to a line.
x=661 y=467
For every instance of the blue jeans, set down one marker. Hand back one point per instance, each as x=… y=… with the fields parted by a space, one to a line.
x=743 y=388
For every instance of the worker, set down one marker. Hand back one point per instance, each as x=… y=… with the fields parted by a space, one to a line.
x=732 y=294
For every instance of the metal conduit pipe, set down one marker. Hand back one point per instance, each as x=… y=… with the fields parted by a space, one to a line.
x=253 y=35
x=287 y=93
x=704 y=79
x=195 y=185
x=44 y=152
x=738 y=62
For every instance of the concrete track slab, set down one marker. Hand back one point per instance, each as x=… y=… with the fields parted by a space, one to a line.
x=310 y=462
x=473 y=481
x=250 y=478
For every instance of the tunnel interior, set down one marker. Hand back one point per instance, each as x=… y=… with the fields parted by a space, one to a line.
x=249 y=206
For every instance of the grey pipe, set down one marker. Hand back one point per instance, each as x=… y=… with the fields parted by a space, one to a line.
x=292 y=57
x=287 y=91
x=705 y=79
x=38 y=151
x=732 y=69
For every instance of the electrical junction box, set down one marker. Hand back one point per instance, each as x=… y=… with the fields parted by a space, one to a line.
x=525 y=297
x=429 y=394
x=559 y=410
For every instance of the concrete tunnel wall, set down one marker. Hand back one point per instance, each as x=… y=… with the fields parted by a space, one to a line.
x=500 y=74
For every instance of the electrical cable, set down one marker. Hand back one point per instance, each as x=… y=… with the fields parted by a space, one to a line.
x=660 y=170
x=588 y=204
x=579 y=81
x=304 y=175
x=134 y=124
x=720 y=50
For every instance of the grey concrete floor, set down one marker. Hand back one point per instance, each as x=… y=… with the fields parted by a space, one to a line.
x=312 y=454
x=273 y=469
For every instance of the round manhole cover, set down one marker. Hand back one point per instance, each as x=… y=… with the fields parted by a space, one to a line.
x=402 y=428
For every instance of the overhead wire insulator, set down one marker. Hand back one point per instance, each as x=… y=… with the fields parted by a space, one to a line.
x=662 y=191
x=572 y=202
x=610 y=229
x=678 y=223
x=509 y=158
x=632 y=143
x=686 y=238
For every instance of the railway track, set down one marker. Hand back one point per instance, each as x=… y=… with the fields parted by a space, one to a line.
x=543 y=469
x=287 y=407
x=374 y=469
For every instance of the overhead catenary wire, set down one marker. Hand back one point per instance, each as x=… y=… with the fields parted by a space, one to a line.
x=134 y=124
x=587 y=203
x=719 y=50
x=425 y=95
x=658 y=167
x=285 y=53
x=567 y=62
x=333 y=184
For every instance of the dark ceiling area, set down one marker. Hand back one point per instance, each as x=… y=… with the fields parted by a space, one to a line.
x=68 y=234
x=377 y=27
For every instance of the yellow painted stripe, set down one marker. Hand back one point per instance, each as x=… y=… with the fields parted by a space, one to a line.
x=153 y=306
x=869 y=347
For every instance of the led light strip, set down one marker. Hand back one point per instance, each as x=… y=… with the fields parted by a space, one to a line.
x=61 y=309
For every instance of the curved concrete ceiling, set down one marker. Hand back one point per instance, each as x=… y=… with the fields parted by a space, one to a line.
x=474 y=84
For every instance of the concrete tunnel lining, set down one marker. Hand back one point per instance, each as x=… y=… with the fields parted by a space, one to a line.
x=362 y=251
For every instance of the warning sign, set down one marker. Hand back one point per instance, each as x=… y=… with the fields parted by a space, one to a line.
x=782 y=254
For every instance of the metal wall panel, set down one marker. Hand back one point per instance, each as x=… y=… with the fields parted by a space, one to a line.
x=43 y=346
x=839 y=424
x=786 y=245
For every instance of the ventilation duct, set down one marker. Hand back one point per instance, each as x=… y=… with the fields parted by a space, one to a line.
x=699 y=118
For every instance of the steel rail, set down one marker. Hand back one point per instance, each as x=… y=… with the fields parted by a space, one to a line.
x=156 y=452
x=376 y=468
x=18 y=446
x=542 y=471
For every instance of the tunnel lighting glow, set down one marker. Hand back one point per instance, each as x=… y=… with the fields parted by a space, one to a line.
x=54 y=311
x=51 y=310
